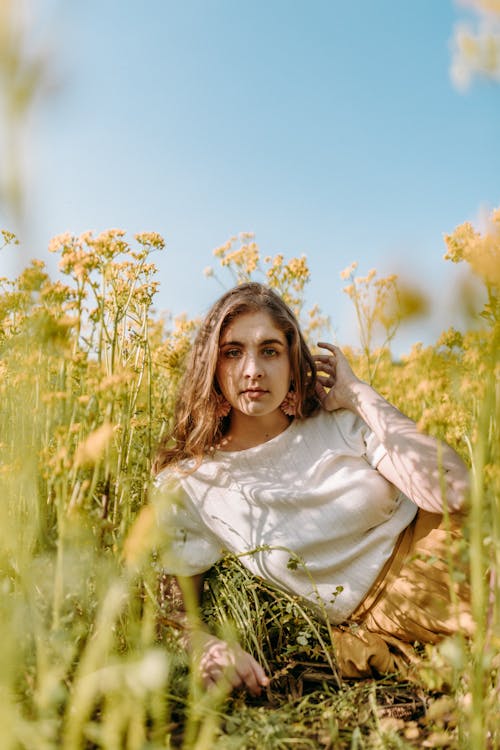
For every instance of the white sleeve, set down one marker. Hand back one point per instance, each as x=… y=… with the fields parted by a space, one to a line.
x=188 y=547
x=359 y=437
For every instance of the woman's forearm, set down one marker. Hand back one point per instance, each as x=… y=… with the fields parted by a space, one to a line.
x=425 y=469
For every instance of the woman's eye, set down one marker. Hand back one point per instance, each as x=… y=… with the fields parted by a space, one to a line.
x=270 y=352
x=232 y=353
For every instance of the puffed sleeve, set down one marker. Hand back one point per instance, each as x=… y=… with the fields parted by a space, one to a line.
x=188 y=547
x=359 y=437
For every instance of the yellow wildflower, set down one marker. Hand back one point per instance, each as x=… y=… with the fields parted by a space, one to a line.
x=60 y=241
x=92 y=448
x=153 y=239
x=347 y=272
x=481 y=251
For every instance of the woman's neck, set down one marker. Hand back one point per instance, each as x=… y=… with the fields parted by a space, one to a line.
x=247 y=432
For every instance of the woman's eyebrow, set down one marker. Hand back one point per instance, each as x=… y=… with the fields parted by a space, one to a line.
x=231 y=343
x=264 y=342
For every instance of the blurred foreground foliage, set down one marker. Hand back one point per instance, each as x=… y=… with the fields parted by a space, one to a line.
x=89 y=373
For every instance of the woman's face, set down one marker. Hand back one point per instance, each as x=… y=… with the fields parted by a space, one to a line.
x=253 y=366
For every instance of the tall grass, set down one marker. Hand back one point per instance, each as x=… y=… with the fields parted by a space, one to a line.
x=89 y=658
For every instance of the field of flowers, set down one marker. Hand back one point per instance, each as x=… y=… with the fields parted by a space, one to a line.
x=89 y=658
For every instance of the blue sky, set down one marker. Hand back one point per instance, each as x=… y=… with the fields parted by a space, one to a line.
x=330 y=129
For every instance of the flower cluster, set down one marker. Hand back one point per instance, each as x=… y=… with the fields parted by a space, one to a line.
x=242 y=260
x=241 y=256
x=480 y=250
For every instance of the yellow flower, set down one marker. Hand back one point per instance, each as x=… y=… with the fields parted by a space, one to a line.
x=347 y=272
x=141 y=536
x=153 y=239
x=60 y=241
x=9 y=237
x=92 y=448
x=481 y=251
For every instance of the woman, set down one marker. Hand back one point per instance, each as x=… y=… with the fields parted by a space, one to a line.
x=323 y=487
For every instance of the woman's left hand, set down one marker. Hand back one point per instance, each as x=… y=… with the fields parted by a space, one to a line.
x=336 y=375
x=423 y=469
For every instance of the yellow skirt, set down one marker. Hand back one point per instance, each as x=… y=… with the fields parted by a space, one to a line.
x=413 y=599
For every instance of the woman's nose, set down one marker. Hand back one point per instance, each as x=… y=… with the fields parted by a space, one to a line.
x=253 y=367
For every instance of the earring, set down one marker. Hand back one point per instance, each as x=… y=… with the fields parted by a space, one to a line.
x=289 y=404
x=223 y=407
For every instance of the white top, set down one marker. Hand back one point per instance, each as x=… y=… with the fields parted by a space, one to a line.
x=307 y=510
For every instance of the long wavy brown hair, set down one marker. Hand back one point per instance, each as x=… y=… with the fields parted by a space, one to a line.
x=197 y=428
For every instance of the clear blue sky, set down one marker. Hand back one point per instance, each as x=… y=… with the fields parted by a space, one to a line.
x=328 y=128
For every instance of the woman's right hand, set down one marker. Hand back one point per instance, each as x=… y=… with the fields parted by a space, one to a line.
x=220 y=661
